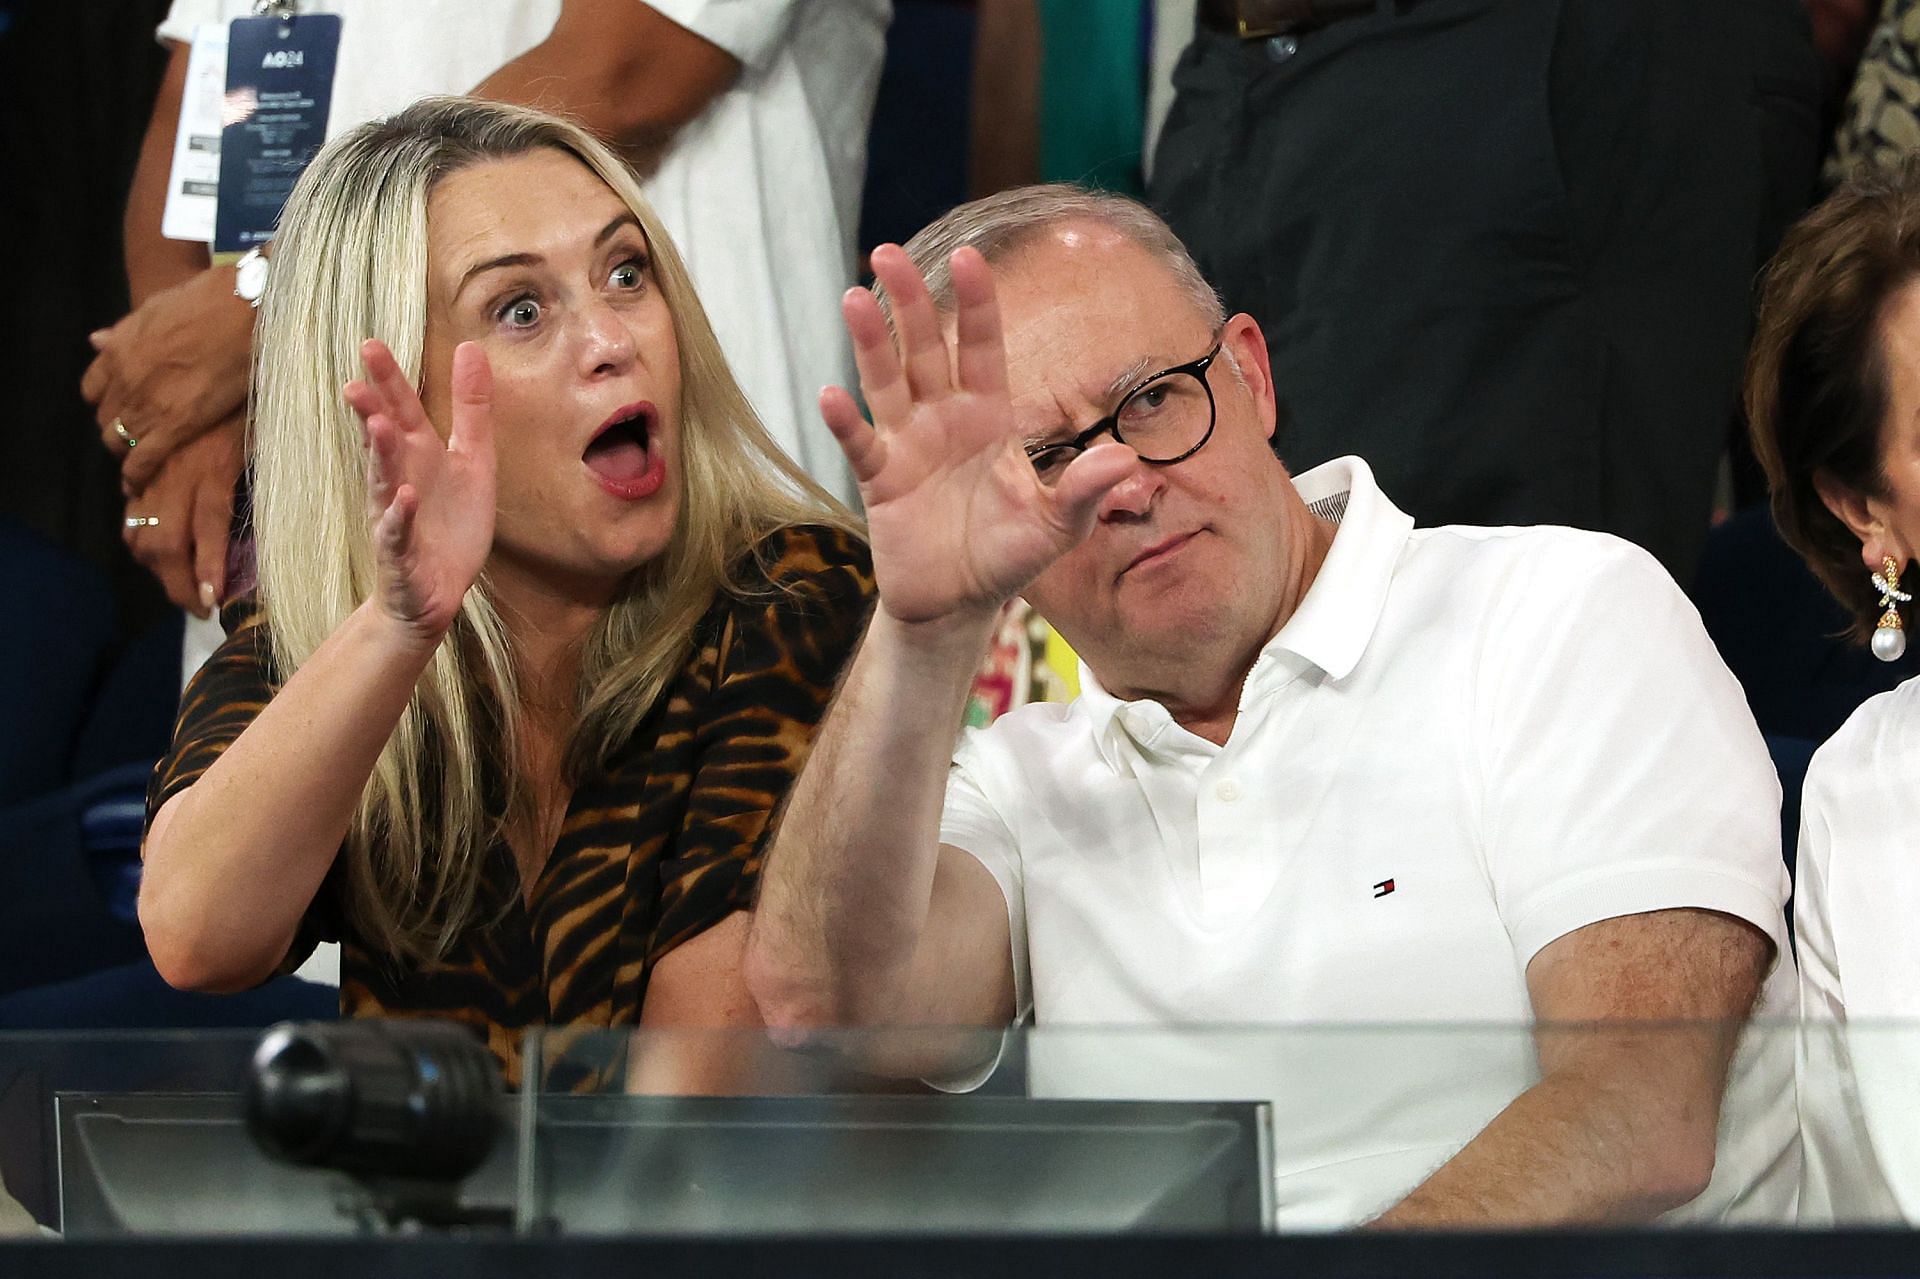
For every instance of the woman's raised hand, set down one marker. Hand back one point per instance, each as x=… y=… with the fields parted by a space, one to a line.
x=959 y=520
x=431 y=498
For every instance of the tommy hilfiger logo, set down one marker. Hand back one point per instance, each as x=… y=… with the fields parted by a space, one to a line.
x=1382 y=888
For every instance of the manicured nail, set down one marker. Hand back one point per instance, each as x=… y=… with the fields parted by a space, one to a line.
x=207 y=597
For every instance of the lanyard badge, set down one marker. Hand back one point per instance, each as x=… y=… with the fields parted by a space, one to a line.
x=280 y=68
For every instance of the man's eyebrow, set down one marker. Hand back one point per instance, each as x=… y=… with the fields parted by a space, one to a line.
x=1130 y=376
x=626 y=219
x=1123 y=382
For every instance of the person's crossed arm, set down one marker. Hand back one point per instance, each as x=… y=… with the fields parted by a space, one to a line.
x=175 y=369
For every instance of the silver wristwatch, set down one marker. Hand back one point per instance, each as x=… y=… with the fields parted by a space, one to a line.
x=250 y=276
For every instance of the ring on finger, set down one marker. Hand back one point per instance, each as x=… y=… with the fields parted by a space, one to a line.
x=143 y=521
x=120 y=429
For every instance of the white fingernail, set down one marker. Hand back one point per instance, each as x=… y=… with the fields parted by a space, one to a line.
x=207 y=599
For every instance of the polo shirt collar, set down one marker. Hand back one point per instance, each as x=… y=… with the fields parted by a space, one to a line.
x=1331 y=627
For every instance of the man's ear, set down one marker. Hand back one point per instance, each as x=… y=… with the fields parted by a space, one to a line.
x=1865 y=517
x=1242 y=341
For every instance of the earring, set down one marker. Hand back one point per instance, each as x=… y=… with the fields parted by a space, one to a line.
x=1889 y=636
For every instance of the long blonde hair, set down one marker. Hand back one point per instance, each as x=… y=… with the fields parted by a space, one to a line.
x=350 y=262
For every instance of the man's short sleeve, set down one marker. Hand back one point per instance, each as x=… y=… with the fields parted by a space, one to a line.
x=1623 y=770
x=183 y=16
x=751 y=30
x=971 y=822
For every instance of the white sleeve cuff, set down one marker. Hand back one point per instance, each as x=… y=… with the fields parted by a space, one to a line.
x=1640 y=888
x=751 y=30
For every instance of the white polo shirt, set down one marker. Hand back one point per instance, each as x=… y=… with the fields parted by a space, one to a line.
x=1465 y=743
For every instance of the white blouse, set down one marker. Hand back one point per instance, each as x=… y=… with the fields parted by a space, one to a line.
x=1857 y=926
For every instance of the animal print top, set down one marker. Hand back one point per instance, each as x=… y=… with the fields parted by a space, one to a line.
x=662 y=844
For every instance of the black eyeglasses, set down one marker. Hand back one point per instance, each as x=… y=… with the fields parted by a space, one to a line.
x=1165 y=420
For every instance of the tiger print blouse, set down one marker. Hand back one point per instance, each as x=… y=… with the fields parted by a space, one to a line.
x=662 y=844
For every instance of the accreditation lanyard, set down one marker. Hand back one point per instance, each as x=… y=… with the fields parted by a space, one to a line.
x=254 y=113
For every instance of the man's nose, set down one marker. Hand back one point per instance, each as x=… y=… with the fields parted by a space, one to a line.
x=1133 y=497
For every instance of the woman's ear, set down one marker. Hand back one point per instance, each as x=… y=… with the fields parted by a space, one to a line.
x=1865 y=517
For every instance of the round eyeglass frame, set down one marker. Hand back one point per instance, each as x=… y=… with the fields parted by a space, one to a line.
x=1197 y=369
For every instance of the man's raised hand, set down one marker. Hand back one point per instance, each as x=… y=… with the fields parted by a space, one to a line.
x=959 y=520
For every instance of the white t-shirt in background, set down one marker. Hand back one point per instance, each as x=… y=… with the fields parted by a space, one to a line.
x=1465 y=744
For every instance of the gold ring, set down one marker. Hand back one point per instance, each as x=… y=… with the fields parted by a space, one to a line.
x=120 y=429
x=143 y=521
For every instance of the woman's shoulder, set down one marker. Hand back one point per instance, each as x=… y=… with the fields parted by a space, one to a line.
x=246 y=653
x=802 y=592
x=796 y=553
x=1872 y=756
x=811 y=569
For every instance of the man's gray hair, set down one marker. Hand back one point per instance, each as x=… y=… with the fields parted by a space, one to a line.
x=999 y=225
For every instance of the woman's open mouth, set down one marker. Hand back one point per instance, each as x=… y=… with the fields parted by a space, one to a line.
x=623 y=455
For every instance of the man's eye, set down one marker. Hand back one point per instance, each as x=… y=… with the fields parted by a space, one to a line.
x=1148 y=399
x=1049 y=462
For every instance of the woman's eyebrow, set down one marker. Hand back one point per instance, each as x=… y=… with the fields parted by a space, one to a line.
x=607 y=232
x=494 y=264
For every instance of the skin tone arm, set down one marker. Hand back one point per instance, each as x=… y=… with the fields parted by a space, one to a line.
x=1006 y=97
x=627 y=73
x=864 y=919
x=264 y=824
x=695 y=1026
x=1638 y=1021
x=153 y=261
x=187 y=403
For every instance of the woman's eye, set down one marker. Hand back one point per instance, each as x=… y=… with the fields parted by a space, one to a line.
x=630 y=274
x=521 y=313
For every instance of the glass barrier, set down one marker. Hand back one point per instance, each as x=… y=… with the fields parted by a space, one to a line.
x=1049 y=1131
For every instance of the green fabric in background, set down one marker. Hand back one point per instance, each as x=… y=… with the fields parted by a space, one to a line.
x=1093 y=92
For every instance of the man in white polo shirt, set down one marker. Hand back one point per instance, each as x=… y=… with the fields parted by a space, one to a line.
x=1327 y=768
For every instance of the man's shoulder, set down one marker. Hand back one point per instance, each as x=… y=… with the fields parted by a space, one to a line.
x=1501 y=545
x=1545 y=560
x=1038 y=731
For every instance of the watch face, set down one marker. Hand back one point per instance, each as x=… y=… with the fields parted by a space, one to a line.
x=250 y=276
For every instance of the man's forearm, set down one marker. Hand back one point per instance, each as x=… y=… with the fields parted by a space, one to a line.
x=155 y=263
x=845 y=896
x=622 y=70
x=1581 y=1148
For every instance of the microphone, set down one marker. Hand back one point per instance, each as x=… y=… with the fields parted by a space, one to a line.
x=404 y=1099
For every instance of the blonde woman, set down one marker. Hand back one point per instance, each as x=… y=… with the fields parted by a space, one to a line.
x=544 y=620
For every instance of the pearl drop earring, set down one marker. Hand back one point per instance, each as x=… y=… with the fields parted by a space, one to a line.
x=1889 y=636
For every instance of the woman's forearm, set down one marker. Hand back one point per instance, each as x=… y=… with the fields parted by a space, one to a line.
x=233 y=861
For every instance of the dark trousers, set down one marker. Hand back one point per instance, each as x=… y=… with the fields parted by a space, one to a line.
x=1504 y=249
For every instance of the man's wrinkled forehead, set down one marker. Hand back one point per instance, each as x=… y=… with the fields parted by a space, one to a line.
x=1086 y=314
